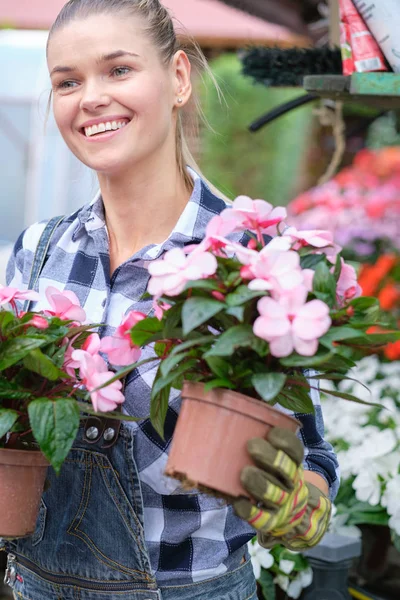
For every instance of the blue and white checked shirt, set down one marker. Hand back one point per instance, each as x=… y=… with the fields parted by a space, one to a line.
x=190 y=537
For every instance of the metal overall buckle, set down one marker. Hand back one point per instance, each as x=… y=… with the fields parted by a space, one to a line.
x=97 y=428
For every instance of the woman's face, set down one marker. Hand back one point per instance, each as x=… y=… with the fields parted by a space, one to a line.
x=113 y=99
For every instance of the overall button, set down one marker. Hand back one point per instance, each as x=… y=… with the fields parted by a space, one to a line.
x=92 y=433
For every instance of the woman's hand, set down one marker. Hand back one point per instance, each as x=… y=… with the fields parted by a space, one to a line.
x=289 y=509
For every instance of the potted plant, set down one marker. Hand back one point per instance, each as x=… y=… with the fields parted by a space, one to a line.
x=46 y=359
x=236 y=329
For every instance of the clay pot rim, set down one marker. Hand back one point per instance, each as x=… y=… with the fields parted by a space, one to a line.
x=23 y=458
x=214 y=396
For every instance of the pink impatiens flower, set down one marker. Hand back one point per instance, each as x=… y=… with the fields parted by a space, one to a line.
x=11 y=294
x=39 y=322
x=94 y=373
x=64 y=305
x=347 y=285
x=73 y=357
x=290 y=323
x=257 y=215
x=170 y=274
x=317 y=238
x=119 y=347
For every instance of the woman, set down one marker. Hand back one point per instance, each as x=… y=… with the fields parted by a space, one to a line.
x=112 y=526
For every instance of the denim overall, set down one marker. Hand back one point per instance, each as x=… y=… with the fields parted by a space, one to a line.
x=89 y=541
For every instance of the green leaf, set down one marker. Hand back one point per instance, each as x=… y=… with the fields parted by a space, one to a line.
x=237 y=312
x=39 y=363
x=218 y=383
x=324 y=284
x=7 y=318
x=242 y=295
x=161 y=382
x=170 y=363
x=239 y=336
x=267 y=585
x=202 y=284
x=345 y=396
x=268 y=385
x=55 y=426
x=197 y=311
x=149 y=329
x=158 y=410
x=297 y=399
x=338 y=268
x=15 y=350
x=11 y=391
x=310 y=261
x=297 y=360
x=199 y=341
x=8 y=418
x=339 y=333
x=219 y=366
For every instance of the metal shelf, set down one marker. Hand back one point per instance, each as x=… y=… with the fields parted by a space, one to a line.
x=381 y=90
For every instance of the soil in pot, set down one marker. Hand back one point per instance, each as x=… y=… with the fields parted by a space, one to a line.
x=209 y=446
x=22 y=477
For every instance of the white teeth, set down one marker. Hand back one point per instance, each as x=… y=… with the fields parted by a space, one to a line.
x=102 y=127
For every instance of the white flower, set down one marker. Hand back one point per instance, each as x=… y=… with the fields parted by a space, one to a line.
x=306 y=577
x=367 y=486
x=338 y=525
x=295 y=588
x=260 y=557
x=391 y=495
x=394 y=523
x=286 y=566
x=283 y=581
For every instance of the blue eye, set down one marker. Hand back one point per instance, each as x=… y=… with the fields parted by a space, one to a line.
x=120 y=71
x=66 y=85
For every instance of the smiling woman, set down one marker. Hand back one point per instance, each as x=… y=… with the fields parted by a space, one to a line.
x=112 y=525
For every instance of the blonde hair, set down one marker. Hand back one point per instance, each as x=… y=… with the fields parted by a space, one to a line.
x=160 y=28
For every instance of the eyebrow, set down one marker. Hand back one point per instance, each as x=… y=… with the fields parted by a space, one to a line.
x=104 y=58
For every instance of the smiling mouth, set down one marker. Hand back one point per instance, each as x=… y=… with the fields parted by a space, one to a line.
x=103 y=128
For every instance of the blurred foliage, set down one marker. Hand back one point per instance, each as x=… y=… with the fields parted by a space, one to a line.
x=384 y=131
x=266 y=164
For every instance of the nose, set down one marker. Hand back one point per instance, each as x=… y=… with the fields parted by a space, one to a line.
x=94 y=97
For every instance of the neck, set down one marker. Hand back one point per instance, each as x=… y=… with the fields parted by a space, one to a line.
x=142 y=207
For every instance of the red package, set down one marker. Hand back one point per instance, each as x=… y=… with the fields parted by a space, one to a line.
x=366 y=54
x=347 y=52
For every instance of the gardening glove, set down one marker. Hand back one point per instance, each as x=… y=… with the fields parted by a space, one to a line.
x=289 y=510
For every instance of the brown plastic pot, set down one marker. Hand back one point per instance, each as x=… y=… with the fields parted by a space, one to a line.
x=209 y=446
x=22 y=477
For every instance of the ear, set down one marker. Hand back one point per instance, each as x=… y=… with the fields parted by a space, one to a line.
x=182 y=83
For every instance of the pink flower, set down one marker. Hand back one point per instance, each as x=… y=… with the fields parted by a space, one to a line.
x=119 y=350
x=290 y=323
x=73 y=357
x=220 y=226
x=39 y=322
x=119 y=347
x=64 y=305
x=95 y=374
x=257 y=215
x=10 y=294
x=317 y=238
x=170 y=274
x=347 y=285
x=160 y=308
x=129 y=321
x=275 y=266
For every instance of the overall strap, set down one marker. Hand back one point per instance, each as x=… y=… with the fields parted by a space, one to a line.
x=40 y=256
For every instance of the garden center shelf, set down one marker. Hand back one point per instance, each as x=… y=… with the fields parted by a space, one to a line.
x=381 y=90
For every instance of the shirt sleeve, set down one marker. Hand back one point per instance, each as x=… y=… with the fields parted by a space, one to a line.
x=319 y=455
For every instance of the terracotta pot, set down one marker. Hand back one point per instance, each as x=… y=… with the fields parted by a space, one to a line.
x=22 y=477
x=209 y=444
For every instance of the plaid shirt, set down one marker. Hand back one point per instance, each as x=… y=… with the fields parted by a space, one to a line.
x=190 y=537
